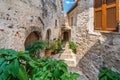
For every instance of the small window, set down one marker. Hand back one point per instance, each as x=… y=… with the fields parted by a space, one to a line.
x=71 y=21
x=55 y=22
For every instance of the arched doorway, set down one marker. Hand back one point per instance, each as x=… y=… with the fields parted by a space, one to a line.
x=66 y=36
x=33 y=36
x=48 y=35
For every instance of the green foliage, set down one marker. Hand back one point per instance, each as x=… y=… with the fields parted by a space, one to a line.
x=22 y=75
x=54 y=45
x=70 y=76
x=35 y=47
x=72 y=46
x=107 y=74
x=10 y=65
x=50 y=69
x=20 y=66
x=59 y=48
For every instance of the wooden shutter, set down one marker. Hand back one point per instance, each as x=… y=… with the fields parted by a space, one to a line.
x=112 y=15
x=106 y=15
x=98 y=14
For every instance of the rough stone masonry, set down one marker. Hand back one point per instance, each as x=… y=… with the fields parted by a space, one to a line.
x=96 y=49
x=18 y=18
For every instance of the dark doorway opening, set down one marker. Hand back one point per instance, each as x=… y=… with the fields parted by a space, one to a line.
x=48 y=34
x=66 y=36
x=32 y=37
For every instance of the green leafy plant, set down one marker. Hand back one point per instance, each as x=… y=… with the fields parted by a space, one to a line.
x=11 y=67
x=59 y=48
x=36 y=47
x=108 y=74
x=72 y=46
x=56 y=46
x=70 y=76
x=16 y=65
x=51 y=69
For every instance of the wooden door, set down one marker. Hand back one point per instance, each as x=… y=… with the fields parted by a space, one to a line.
x=66 y=36
x=48 y=35
x=32 y=37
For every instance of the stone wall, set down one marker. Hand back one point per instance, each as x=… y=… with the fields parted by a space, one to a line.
x=53 y=13
x=73 y=15
x=96 y=49
x=18 y=18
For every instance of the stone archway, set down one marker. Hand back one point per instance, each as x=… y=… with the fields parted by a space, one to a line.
x=48 y=34
x=33 y=36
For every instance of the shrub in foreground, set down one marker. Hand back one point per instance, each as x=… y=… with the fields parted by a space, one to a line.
x=108 y=74
x=16 y=65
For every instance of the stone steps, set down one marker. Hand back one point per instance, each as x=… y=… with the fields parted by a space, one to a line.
x=68 y=56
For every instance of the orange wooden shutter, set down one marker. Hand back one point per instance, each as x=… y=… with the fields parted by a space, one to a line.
x=98 y=14
x=112 y=15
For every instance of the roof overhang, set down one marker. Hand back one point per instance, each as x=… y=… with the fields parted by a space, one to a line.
x=73 y=7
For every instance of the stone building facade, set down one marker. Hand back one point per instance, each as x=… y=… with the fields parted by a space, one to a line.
x=72 y=21
x=96 y=48
x=28 y=19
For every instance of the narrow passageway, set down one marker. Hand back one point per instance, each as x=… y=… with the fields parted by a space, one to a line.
x=48 y=26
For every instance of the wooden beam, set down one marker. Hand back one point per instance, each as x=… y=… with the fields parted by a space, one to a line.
x=104 y=15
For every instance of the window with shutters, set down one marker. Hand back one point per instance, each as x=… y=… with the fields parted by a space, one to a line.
x=106 y=15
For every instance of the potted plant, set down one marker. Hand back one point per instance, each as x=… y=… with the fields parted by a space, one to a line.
x=35 y=48
x=58 y=46
x=48 y=49
x=54 y=47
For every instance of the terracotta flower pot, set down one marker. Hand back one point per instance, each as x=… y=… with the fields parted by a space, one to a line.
x=47 y=53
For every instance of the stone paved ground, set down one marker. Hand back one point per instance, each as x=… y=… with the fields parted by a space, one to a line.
x=75 y=69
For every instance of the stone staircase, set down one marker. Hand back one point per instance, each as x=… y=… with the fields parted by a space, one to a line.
x=68 y=56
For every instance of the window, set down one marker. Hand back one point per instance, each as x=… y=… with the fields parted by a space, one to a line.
x=55 y=22
x=106 y=15
x=71 y=21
